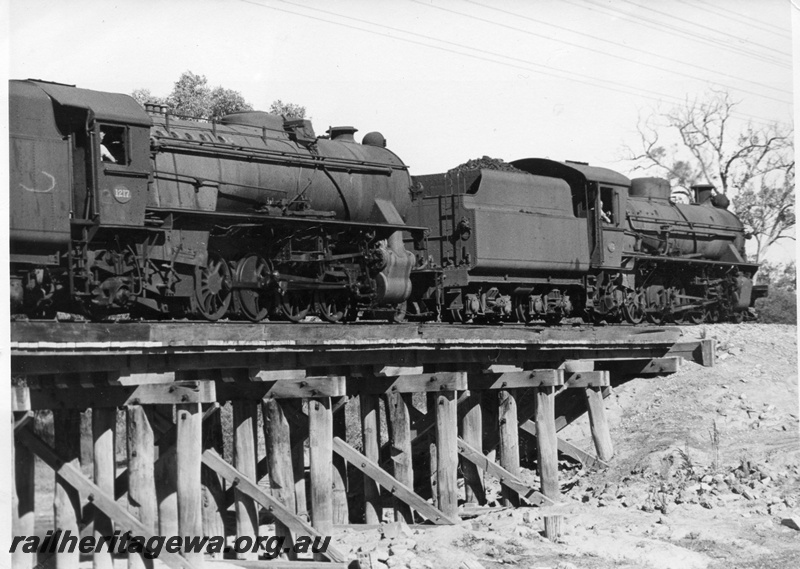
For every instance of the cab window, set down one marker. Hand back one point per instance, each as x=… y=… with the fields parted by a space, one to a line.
x=114 y=144
x=607 y=213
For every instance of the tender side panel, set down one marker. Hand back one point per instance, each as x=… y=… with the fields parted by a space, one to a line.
x=525 y=223
x=40 y=181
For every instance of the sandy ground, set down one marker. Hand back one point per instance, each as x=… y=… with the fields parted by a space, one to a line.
x=706 y=474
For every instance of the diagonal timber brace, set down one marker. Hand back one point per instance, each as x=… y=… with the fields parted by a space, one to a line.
x=248 y=487
x=506 y=478
x=390 y=483
x=123 y=519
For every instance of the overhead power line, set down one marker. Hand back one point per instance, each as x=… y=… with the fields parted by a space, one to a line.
x=740 y=19
x=702 y=27
x=604 y=40
x=525 y=65
x=669 y=29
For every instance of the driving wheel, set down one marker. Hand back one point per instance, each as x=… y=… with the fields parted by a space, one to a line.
x=295 y=304
x=332 y=305
x=254 y=303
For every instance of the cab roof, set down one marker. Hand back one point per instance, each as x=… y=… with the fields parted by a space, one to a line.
x=571 y=171
x=112 y=107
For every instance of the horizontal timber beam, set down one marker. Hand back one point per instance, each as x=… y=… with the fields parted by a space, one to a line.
x=77 y=397
x=587 y=379
x=516 y=379
x=326 y=386
x=654 y=366
x=438 y=381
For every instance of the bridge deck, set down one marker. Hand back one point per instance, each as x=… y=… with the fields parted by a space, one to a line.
x=41 y=347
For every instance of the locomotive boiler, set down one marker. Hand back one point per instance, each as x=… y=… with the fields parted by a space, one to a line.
x=542 y=240
x=117 y=209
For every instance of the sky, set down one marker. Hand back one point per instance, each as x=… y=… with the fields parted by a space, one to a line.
x=443 y=80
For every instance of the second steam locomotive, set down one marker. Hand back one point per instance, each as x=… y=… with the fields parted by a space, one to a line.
x=120 y=210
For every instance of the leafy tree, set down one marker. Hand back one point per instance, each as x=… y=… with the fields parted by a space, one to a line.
x=227 y=101
x=778 y=275
x=191 y=96
x=288 y=110
x=143 y=96
x=754 y=163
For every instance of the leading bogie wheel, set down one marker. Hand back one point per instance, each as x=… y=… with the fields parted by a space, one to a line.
x=399 y=315
x=632 y=313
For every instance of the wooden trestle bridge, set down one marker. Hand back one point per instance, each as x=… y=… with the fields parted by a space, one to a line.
x=484 y=387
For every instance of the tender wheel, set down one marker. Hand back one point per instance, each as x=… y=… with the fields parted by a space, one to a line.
x=212 y=291
x=456 y=315
x=400 y=314
x=332 y=306
x=523 y=312
x=295 y=304
x=697 y=316
x=254 y=304
x=632 y=313
x=552 y=319
x=711 y=315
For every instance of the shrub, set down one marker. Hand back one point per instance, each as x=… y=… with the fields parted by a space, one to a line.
x=780 y=307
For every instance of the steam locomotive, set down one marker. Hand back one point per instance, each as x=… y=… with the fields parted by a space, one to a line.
x=120 y=210
x=552 y=239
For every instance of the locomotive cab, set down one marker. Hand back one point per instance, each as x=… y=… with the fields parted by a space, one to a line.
x=600 y=196
x=108 y=188
x=120 y=160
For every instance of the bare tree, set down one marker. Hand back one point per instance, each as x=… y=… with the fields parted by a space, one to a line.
x=754 y=163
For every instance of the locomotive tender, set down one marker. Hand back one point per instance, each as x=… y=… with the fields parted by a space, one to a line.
x=120 y=210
